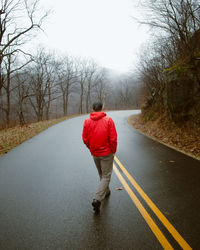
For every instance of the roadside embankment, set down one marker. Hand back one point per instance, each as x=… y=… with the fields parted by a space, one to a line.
x=182 y=138
x=12 y=137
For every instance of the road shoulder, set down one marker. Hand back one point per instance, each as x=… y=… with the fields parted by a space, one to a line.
x=148 y=129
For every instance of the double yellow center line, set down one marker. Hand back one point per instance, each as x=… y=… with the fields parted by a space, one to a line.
x=160 y=236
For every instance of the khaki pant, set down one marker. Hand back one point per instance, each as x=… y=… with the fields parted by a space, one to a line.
x=104 y=166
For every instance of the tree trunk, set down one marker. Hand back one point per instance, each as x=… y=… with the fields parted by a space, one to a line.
x=8 y=109
x=88 y=99
x=48 y=102
x=21 y=115
x=66 y=98
x=1 y=77
x=64 y=104
x=81 y=100
x=8 y=93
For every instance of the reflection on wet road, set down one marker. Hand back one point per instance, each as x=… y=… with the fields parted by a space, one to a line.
x=159 y=235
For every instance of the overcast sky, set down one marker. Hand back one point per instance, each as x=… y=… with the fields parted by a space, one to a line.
x=100 y=29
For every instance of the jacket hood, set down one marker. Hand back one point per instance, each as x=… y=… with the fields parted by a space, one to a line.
x=97 y=115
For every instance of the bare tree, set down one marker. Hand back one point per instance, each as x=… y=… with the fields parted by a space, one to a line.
x=22 y=94
x=14 y=14
x=125 y=94
x=51 y=84
x=82 y=77
x=100 y=87
x=173 y=56
x=92 y=69
x=178 y=20
x=41 y=84
x=10 y=66
x=67 y=76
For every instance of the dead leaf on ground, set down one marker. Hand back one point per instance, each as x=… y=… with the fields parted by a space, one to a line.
x=119 y=188
x=185 y=137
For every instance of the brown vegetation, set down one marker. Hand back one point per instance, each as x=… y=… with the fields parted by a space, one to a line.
x=181 y=137
x=12 y=137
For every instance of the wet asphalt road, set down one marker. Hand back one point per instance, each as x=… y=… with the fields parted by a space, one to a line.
x=47 y=185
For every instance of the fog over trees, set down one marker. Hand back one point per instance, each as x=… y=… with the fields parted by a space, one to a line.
x=45 y=84
x=52 y=86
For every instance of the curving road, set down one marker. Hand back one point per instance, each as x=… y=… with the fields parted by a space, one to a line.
x=47 y=185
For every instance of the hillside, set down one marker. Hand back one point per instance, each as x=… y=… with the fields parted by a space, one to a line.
x=182 y=138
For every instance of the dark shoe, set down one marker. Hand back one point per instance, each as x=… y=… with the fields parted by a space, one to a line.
x=107 y=194
x=96 y=205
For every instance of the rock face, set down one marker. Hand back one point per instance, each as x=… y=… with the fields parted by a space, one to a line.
x=181 y=95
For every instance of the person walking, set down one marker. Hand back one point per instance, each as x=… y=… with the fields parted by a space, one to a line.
x=100 y=136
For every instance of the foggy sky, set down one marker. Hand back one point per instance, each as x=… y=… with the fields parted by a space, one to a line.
x=100 y=29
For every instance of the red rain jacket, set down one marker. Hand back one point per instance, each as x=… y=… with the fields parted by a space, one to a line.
x=99 y=134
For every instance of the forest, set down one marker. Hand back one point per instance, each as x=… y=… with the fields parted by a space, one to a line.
x=45 y=84
x=170 y=65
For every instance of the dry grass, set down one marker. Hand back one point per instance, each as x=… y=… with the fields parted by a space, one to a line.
x=10 y=138
x=184 y=138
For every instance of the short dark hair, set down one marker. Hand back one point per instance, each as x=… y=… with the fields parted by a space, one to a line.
x=97 y=106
